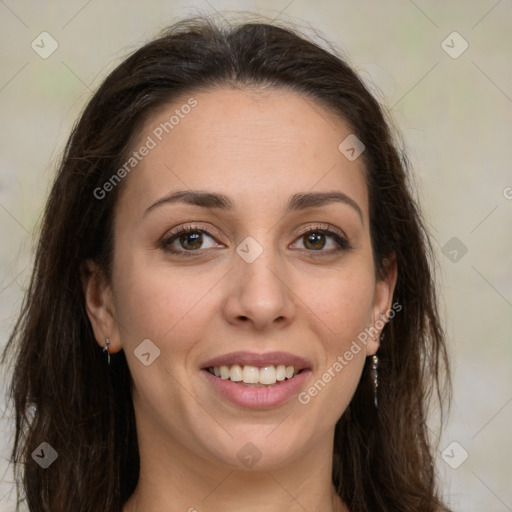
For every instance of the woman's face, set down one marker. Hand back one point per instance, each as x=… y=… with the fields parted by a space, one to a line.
x=246 y=286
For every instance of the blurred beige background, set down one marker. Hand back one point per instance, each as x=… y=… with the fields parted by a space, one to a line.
x=453 y=105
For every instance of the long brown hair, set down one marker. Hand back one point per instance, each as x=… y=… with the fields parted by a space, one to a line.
x=62 y=389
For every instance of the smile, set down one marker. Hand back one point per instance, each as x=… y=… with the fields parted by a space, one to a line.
x=257 y=380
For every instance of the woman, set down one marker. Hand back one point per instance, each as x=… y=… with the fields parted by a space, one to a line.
x=232 y=305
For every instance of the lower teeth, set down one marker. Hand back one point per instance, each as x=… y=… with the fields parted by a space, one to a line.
x=242 y=383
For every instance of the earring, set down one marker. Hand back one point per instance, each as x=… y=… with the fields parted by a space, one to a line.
x=375 y=377
x=375 y=373
x=105 y=349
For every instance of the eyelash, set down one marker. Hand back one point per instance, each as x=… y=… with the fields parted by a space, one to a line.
x=342 y=242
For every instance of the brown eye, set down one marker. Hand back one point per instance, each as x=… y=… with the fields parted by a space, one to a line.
x=318 y=239
x=191 y=240
x=187 y=241
x=314 y=241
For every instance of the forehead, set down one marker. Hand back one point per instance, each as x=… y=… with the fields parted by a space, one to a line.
x=249 y=144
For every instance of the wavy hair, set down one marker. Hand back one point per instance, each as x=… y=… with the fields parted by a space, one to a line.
x=62 y=389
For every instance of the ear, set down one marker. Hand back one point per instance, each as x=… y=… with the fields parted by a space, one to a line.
x=382 y=302
x=100 y=305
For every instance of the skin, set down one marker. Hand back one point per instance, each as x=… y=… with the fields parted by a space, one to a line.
x=257 y=147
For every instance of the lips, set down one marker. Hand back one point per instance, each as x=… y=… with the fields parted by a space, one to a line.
x=252 y=380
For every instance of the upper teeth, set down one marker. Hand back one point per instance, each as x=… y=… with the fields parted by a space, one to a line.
x=254 y=375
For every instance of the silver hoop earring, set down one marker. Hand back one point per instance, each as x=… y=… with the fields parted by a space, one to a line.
x=105 y=349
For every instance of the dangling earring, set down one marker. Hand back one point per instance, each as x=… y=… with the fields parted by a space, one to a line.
x=375 y=373
x=105 y=349
x=375 y=376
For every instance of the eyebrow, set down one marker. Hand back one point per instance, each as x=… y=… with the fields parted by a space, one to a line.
x=297 y=202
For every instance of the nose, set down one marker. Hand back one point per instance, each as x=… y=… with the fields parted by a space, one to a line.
x=259 y=293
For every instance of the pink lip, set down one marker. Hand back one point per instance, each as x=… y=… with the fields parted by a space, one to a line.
x=260 y=360
x=257 y=398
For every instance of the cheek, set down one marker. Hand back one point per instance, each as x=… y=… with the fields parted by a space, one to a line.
x=341 y=313
x=341 y=309
x=340 y=302
x=170 y=307
x=159 y=303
